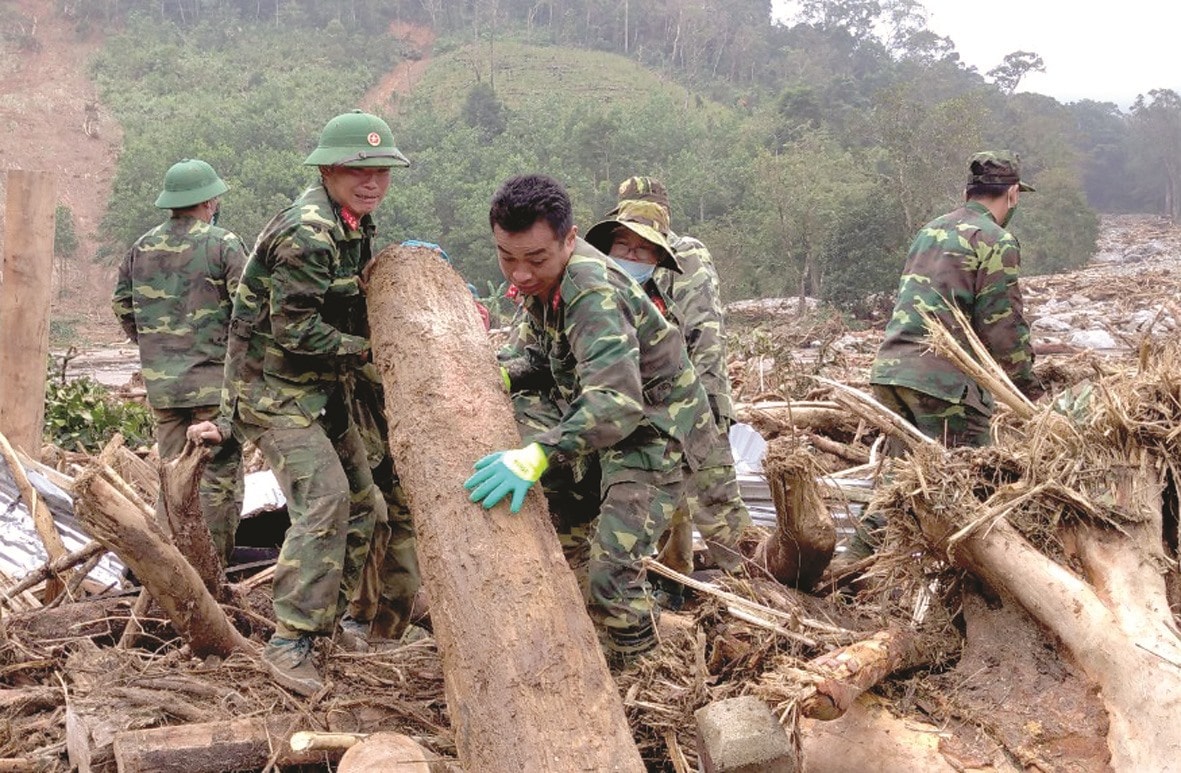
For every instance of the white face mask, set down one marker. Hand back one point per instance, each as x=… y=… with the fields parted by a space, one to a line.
x=641 y=272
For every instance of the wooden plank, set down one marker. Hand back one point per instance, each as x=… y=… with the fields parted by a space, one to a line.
x=27 y=271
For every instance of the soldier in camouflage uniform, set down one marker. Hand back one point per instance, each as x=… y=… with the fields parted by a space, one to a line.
x=633 y=402
x=965 y=258
x=712 y=499
x=298 y=336
x=173 y=298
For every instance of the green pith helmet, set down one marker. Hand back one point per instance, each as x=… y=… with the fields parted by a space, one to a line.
x=188 y=183
x=356 y=139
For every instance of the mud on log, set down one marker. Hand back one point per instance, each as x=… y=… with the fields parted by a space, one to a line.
x=800 y=548
x=526 y=683
x=179 y=486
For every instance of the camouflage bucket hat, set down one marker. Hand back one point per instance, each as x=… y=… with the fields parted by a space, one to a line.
x=646 y=219
x=996 y=167
x=643 y=189
x=188 y=183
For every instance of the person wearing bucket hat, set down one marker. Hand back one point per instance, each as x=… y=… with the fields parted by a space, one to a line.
x=298 y=337
x=625 y=409
x=173 y=298
x=965 y=259
x=712 y=502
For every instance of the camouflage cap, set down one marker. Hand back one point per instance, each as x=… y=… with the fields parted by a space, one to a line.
x=647 y=219
x=643 y=189
x=996 y=167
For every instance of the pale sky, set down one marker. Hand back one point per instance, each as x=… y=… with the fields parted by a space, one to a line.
x=1108 y=52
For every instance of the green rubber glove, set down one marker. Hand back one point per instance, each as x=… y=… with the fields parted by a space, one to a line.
x=507 y=472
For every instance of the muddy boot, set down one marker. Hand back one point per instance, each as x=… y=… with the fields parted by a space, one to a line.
x=354 y=635
x=289 y=662
x=669 y=594
x=625 y=646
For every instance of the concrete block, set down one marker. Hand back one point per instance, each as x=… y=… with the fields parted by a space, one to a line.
x=741 y=735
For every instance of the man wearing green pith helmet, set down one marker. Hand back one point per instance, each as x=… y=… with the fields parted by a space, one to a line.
x=298 y=339
x=173 y=297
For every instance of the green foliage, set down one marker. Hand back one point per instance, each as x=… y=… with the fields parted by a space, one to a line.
x=805 y=156
x=65 y=240
x=484 y=112
x=230 y=96
x=82 y=414
x=1056 y=229
x=63 y=331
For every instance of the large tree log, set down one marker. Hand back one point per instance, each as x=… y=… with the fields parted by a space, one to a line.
x=126 y=530
x=27 y=267
x=211 y=747
x=386 y=753
x=527 y=685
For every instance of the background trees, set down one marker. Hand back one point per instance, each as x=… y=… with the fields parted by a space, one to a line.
x=805 y=155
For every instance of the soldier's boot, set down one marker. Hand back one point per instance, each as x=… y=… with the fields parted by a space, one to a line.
x=354 y=635
x=289 y=662
x=669 y=594
x=625 y=646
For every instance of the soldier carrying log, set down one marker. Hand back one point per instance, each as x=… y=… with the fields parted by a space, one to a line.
x=625 y=407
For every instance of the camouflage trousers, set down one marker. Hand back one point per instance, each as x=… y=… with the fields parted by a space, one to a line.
x=954 y=424
x=712 y=503
x=221 y=485
x=608 y=517
x=332 y=504
x=390 y=578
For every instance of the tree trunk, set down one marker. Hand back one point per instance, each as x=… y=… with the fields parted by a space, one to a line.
x=27 y=267
x=210 y=747
x=126 y=530
x=526 y=682
x=1117 y=626
x=386 y=753
x=180 y=480
x=850 y=671
x=800 y=548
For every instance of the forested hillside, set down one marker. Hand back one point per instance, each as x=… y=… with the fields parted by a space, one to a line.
x=805 y=154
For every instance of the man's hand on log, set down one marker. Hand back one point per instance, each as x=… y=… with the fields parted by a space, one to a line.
x=203 y=432
x=507 y=472
x=429 y=246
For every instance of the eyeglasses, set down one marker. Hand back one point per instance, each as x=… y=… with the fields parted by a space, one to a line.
x=640 y=250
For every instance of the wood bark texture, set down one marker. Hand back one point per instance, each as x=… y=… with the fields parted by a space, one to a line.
x=250 y=743
x=180 y=480
x=142 y=545
x=25 y=294
x=527 y=685
x=801 y=547
x=1114 y=622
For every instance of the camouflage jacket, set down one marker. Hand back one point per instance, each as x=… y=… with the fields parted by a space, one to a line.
x=620 y=366
x=173 y=298
x=697 y=309
x=300 y=321
x=967 y=259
